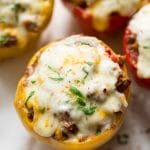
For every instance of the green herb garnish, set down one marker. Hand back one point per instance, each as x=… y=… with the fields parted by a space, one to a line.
x=76 y=92
x=43 y=110
x=88 y=110
x=53 y=69
x=78 y=100
x=33 y=81
x=58 y=78
x=3 y=39
x=18 y=8
x=81 y=101
x=28 y=98
x=89 y=63
x=122 y=139
x=146 y=47
x=86 y=73
x=84 y=43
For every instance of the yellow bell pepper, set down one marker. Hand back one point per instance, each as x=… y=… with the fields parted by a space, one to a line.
x=91 y=143
x=25 y=39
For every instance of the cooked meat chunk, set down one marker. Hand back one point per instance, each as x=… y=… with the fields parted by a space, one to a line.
x=68 y=123
x=31 y=26
x=30 y=114
x=122 y=85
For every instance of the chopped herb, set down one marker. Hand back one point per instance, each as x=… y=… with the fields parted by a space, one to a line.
x=53 y=69
x=146 y=47
x=122 y=139
x=84 y=43
x=81 y=101
x=78 y=100
x=72 y=101
x=57 y=78
x=43 y=110
x=89 y=63
x=86 y=73
x=33 y=81
x=75 y=91
x=28 y=98
x=80 y=107
x=88 y=110
x=18 y=8
x=3 y=39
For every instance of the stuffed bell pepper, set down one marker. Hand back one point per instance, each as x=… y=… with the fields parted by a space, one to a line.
x=21 y=23
x=74 y=93
x=103 y=16
x=137 y=45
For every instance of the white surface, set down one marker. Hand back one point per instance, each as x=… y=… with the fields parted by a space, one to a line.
x=13 y=136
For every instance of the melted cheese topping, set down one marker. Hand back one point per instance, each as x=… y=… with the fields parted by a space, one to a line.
x=140 y=24
x=19 y=17
x=102 y=9
x=73 y=69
